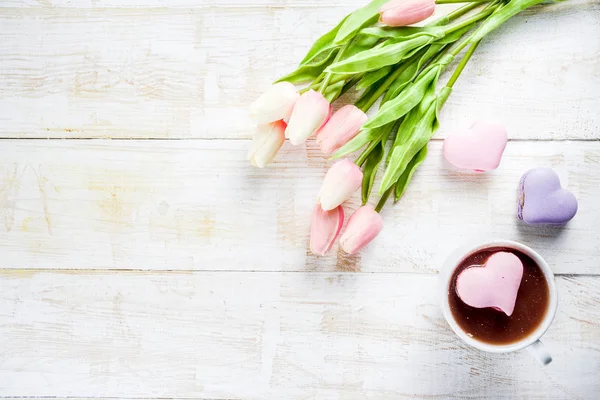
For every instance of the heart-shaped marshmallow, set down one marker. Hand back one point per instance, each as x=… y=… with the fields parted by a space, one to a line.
x=478 y=148
x=495 y=284
x=542 y=200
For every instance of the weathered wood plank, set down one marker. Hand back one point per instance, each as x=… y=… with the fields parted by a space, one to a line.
x=180 y=73
x=199 y=205
x=192 y=4
x=272 y=335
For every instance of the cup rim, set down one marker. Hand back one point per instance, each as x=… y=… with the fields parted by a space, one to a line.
x=453 y=261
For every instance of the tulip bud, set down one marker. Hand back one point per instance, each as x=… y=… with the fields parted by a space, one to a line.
x=325 y=228
x=266 y=143
x=341 y=181
x=363 y=226
x=310 y=112
x=341 y=128
x=406 y=12
x=275 y=104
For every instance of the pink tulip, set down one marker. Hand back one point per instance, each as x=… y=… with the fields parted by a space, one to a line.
x=406 y=12
x=310 y=112
x=341 y=127
x=266 y=143
x=275 y=104
x=341 y=181
x=363 y=226
x=326 y=226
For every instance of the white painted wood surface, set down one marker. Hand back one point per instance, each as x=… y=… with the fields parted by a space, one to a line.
x=171 y=269
x=272 y=336
x=198 y=205
x=181 y=73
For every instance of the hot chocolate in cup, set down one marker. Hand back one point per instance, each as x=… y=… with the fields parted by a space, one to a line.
x=490 y=329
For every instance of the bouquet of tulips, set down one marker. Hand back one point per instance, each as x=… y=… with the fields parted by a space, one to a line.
x=373 y=51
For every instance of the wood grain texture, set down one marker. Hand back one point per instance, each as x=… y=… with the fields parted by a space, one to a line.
x=176 y=4
x=198 y=205
x=191 y=72
x=172 y=269
x=272 y=336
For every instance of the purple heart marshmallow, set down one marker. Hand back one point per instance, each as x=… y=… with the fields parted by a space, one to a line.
x=542 y=200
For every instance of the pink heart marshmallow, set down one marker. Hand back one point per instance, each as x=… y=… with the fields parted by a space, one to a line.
x=495 y=284
x=478 y=148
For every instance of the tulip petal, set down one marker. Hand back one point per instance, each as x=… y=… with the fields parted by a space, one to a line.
x=341 y=181
x=325 y=228
x=343 y=126
x=310 y=112
x=266 y=143
x=406 y=12
x=363 y=226
x=275 y=104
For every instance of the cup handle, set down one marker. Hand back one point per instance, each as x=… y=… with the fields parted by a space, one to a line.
x=538 y=351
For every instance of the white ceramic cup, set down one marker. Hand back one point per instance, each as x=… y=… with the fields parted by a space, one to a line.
x=531 y=342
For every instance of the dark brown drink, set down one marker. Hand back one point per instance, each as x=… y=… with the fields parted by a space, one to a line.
x=495 y=327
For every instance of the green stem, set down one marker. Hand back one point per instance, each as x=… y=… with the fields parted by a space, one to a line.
x=459 y=12
x=375 y=142
x=468 y=21
x=462 y=64
x=457 y=1
x=491 y=8
x=335 y=79
x=348 y=85
x=388 y=81
x=363 y=157
x=329 y=75
x=506 y=12
x=437 y=57
x=384 y=198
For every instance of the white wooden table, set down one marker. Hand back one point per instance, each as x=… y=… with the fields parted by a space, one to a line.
x=141 y=256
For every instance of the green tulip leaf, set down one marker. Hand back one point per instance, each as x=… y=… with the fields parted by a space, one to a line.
x=405 y=130
x=410 y=73
x=333 y=91
x=406 y=176
x=372 y=77
x=405 y=101
x=374 y=156
x=360 y=18
x=307 y=72
x=383 y=132
x=366 y=96
x=501 y=16
x=323 y=44
x=311 y=71
x=382 y=55
x=360 y=44
x=364 y=137
x=348 y=85
x=454 y=36
x=403 y=33
x=370 y=170
x=411 y=143
x=441 y=99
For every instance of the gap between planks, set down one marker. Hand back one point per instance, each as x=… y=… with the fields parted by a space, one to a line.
x=108 y=398
x=67 y=271
x=248 y=139
x=193 y=5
